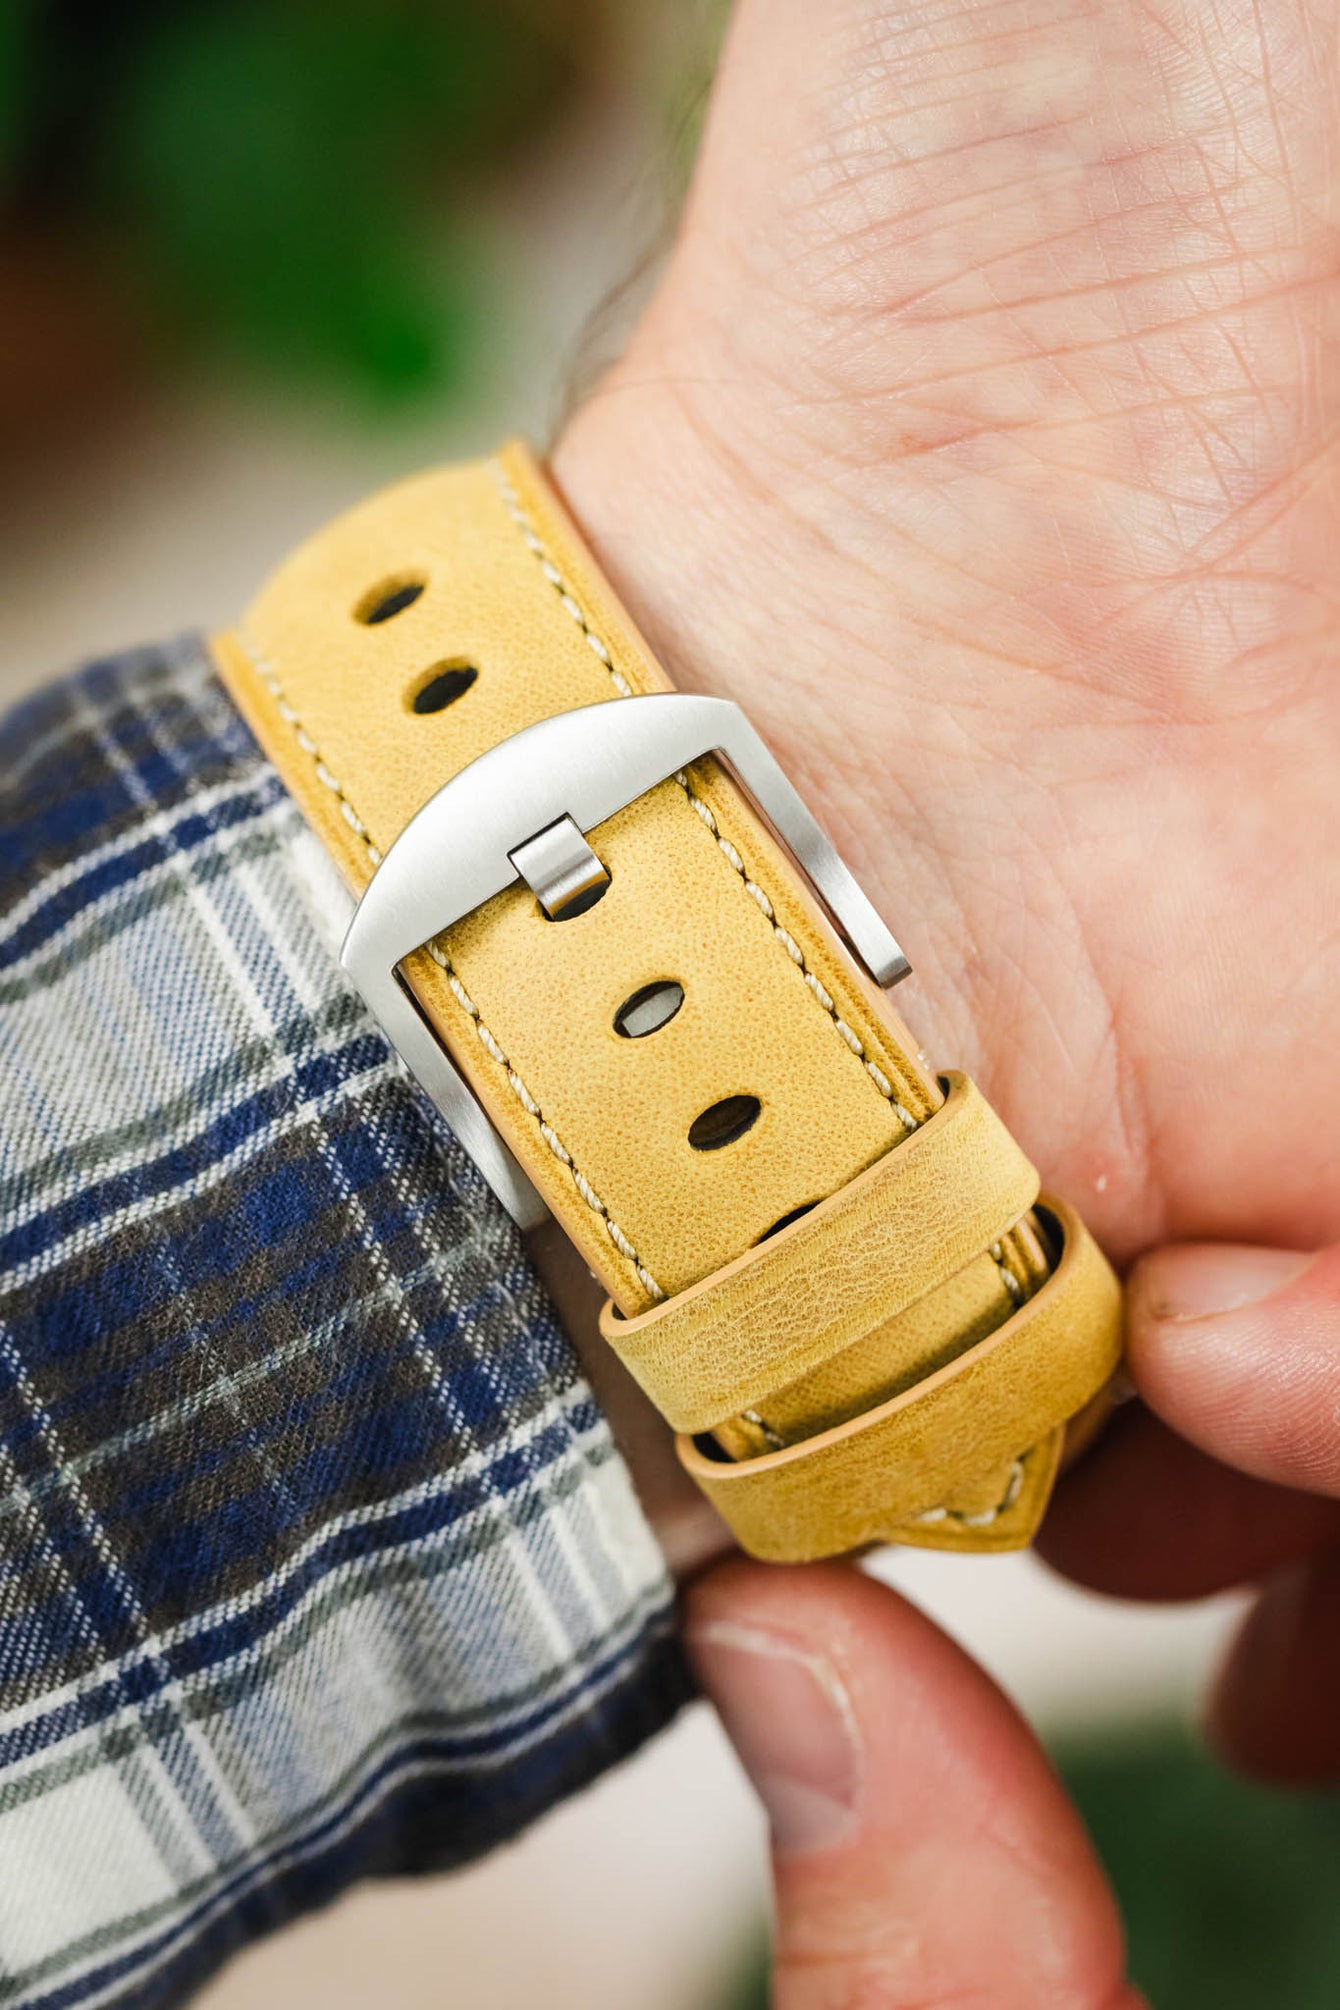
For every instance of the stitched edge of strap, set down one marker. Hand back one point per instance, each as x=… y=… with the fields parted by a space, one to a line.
x=1013 y=1520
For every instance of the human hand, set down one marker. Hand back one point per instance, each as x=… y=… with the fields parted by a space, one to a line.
x=1231 y=1475
x=981 y=441
x=923 y=1850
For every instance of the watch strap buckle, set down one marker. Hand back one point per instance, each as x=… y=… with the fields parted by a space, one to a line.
x=527 y=805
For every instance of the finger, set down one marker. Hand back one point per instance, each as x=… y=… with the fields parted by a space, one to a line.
x=1273 y=1710
x=1147 y=1515
x=1238 y=1349
x=923 y=1850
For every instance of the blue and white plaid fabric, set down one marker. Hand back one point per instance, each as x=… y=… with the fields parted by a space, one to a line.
x=316 y=1557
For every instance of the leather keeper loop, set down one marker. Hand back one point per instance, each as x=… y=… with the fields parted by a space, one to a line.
x=895 y=1233
x=857 y=1484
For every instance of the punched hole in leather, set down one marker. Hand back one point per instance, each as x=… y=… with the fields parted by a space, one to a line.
x=444 y=685
x=647 y=1009
x=389 y=598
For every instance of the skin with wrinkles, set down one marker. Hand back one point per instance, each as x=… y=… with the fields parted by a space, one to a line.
x=981 y=441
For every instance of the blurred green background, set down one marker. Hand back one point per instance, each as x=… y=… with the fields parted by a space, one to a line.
x=297 y=186
x=253 y=259
x=1231 y=1892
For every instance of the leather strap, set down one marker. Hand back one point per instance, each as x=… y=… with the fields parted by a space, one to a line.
x=856 y=1234
x=866 y=1479
x=905 y=1226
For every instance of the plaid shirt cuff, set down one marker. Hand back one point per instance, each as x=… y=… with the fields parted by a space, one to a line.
x=317 y=1559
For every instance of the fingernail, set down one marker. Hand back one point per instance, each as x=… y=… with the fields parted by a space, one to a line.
x=1204 y=1280
x=791 y=1722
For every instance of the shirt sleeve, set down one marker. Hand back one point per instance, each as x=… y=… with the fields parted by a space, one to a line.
x=317 y=1558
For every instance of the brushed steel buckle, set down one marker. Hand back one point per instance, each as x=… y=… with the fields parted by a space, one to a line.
x=579 y=766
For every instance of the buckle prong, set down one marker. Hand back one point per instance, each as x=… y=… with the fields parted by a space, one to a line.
x=561 y=870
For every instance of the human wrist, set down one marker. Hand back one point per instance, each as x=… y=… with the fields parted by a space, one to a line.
x=780 y=545
x=699 y=518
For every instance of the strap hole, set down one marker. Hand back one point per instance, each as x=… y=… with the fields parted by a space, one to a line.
x=723 y=1123
x=654 y=1006
x=442 y=687
x=389 y=598
x=785 y=1221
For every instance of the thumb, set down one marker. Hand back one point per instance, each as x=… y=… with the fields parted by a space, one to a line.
x=1238 y=1349
x=923 y=1850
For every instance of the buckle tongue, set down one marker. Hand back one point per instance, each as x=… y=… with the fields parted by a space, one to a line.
x=561 y=870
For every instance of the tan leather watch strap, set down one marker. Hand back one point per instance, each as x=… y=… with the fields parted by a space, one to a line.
x=774 y=1137
x=868 y=1478
x=906 y=1226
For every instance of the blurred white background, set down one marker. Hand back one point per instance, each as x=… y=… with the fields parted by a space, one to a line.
x=649 y=1893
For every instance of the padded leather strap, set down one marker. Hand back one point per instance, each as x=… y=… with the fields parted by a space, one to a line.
x=422 y=629
x=904 y=1227
x=867 y=1479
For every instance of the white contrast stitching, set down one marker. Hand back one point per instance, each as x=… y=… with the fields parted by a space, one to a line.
x=547 y=1132
x=774 y=1438
x=1012 y=1285
x=567 y=599
x=793 y=950
x=515 y=509
x=286 y=712
x=1013 y=1489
